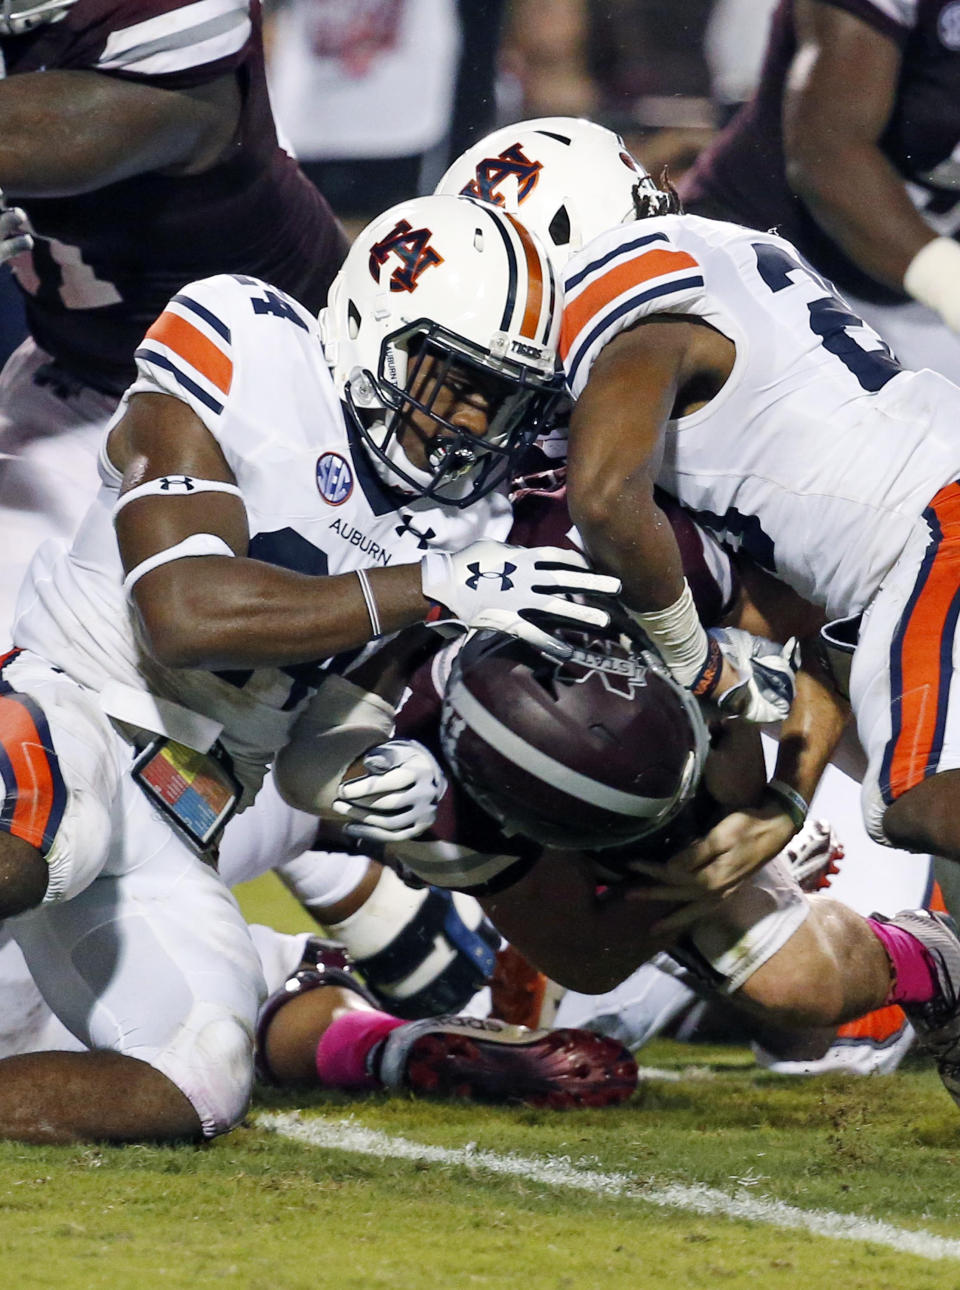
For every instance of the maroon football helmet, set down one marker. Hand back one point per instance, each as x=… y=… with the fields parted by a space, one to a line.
x=592 y=753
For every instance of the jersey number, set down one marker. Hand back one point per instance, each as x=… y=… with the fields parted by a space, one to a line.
x=830 y=319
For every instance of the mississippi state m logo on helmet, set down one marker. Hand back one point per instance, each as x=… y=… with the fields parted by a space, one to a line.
x=412 y=246
x=493 y=171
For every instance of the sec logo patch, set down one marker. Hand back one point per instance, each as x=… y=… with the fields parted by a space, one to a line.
x=334 y=478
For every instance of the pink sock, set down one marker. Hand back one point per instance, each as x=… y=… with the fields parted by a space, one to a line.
x=342 y=1051
x=914 y=972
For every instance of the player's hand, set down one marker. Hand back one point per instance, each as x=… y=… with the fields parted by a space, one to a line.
x=494 y=585
x=710 y=868
x=767 y=674
x=396 y=798
x=15 y=235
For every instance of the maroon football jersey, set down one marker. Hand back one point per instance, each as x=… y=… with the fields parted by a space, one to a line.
x=106 y=262
x=741 y=176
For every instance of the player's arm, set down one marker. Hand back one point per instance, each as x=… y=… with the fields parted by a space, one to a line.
x=68 y=132
x=582 y=939
x=615 y=436
x=662 y=367
x=221 y=609
x=819 y=715
x=831 y=140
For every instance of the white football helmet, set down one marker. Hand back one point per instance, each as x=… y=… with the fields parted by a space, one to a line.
x=471 y=288
x=18 y=16
x=567 y=178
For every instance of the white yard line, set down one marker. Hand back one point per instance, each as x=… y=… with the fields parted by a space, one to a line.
x=557 y=1171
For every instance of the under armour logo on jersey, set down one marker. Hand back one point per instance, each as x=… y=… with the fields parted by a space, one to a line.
x=176 y=483
x=405 y=526
x=493 y=171
x=412 y=246
x=476 y=573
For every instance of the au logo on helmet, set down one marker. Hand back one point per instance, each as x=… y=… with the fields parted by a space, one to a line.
x=493 y=171
x=414 y=250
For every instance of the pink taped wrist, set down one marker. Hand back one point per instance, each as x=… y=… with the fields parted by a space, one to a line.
x=341 y=1058
x=914 y=975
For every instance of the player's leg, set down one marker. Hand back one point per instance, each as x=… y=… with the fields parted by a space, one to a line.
x=324 y=1028
x=152 y=968
x=421 y=951
x=811 y=962
x=905 y=691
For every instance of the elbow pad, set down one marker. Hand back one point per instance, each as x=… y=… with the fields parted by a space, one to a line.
x=340 y=722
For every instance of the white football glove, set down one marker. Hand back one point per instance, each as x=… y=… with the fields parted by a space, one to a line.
x=491 y=584
x=768 y=670
x=397 y=799
x=15 y=235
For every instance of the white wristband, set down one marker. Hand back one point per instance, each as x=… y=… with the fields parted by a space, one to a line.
x=678 y=636
x=933 y=278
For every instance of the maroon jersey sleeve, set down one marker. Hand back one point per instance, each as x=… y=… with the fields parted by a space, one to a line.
x=106 y=261
x=174 y=43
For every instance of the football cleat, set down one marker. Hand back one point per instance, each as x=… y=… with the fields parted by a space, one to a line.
x=937 y=1022
x=490 y=1061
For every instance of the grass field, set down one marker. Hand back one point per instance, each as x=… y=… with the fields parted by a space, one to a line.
x=714 y=1175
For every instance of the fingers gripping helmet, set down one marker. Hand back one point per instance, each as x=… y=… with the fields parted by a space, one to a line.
x=568 y=179
x=468 y=287
x=18 y=16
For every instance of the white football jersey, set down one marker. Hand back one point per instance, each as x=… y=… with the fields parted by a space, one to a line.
x=248 y=360
x=820 y=453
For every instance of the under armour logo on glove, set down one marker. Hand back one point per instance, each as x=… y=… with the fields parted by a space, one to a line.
x=168 y=482
x=476 y=573
x=481 y=587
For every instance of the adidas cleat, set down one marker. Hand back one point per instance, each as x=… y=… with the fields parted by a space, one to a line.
x=489 y=1061
x=937 y=1022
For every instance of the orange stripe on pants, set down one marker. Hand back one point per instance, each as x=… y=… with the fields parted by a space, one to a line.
x=31 y=768
x=925 y=675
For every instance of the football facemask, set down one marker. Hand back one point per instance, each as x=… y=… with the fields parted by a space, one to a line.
x=443 y=372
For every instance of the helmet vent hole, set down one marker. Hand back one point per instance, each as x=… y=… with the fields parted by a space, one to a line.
x=560 y=227
x=353 y=320
x=478 y=239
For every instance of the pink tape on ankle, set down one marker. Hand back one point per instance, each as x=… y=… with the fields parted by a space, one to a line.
x=914 y=973
x=341 y=1058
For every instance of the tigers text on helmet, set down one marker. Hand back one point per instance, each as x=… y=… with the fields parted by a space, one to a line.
x=440 y=293
x=567 y=178
x=18 y=16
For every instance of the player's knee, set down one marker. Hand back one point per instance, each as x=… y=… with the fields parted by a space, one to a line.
x=23 y=876
x=211 y=1063
x=801 y=985
x=926 y=818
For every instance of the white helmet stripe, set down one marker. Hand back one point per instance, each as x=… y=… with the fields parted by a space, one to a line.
x=544 y=767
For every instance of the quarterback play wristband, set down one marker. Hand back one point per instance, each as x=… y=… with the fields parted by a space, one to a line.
x=792 y=802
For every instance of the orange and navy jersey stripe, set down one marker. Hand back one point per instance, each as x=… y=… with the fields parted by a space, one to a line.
x=35 y=794
x=193 y=344
x=921 y=655
x=613 y=291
